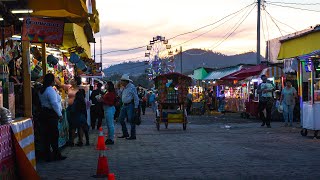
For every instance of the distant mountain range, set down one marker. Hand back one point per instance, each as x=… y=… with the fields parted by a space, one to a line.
x=190 y=61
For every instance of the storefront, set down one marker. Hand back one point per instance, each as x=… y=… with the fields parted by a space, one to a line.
x=305 y=49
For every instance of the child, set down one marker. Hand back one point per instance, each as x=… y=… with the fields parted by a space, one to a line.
x=79 y=112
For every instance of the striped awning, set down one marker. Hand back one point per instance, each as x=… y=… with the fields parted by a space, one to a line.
x=24 y=134
x=275 y=72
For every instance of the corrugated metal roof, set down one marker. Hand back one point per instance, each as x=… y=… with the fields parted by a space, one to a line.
x=220 y=73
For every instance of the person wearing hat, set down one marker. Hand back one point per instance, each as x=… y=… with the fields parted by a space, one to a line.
x=130 y=104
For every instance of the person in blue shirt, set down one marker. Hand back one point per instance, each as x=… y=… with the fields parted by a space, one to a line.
x=152 y=101
x=49 y=116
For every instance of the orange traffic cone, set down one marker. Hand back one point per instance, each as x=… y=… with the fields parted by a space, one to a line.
x=111 y=176
x=101 y=144
x=103 y=167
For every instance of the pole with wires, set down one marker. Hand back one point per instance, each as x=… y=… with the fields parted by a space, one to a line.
x=258 y=32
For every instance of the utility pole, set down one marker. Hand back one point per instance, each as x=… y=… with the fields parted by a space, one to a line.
x=258 y=32
x=101 y=52
x=181 y=59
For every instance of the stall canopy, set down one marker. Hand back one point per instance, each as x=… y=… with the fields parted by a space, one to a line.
x=220 y=73
x=59 y=8
x=200 y=74
x=246 y=72
x=74 y=36
x=299 y=45
x=270 y=72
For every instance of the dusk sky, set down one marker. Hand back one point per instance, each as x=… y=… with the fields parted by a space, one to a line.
x=127 y=24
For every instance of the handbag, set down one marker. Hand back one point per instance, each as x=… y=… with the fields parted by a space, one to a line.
x=137 y=119
x=280 y=108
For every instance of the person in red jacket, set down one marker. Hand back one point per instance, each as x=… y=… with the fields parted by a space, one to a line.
x=109 y=101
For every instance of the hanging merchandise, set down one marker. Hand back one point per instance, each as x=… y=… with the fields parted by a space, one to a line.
x=36 y=53
x=52 y=60
x=74 y=58
x=76 y=49
x=82 y=66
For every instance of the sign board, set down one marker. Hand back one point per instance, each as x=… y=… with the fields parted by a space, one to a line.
x=42 y=30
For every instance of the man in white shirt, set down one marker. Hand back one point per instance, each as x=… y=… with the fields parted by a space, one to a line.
x=130 y=104
x=265 y=90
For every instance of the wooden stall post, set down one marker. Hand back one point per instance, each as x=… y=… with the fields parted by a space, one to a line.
x=27 y=95
x=44 y=59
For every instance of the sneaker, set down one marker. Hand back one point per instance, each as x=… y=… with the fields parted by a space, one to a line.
x=109 y=142
x=131 y=138
x=263 y=124
x=80 y=144
x=268 y=126
x=123 y=136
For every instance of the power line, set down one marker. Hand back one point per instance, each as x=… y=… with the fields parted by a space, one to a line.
x=235 y=15
x=265 y=17
x=292 y=3
x=311 y=10
x=274 y=23
x=264 y=34
x=226 y=36
x=281 y=22
x=211 y=24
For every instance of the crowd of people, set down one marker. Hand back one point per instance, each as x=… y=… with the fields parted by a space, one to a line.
x=122 y=102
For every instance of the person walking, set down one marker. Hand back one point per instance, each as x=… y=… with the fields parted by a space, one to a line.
x=109 y=102
x=288 y=96
x=189 y=103
x=222 y=103
x=96 y=110
x=152 y=101
x=130 y=104
x=49 y=116
x=265 y=90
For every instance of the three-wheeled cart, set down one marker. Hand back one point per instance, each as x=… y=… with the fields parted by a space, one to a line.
x=172 y=98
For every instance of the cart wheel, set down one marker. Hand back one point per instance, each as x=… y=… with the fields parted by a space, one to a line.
x=184 y=126
x=304 y=132
x=166 y=124
x=247 y=115
x=158 y=126
x=315 y=134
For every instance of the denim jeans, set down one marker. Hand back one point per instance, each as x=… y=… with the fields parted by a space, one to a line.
x=288 y=113
x=127 y=111
x=153 y=106
x=109 y=112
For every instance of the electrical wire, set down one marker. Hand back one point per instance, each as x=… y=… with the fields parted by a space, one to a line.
x=262 y=24
x=303 y=9
x=226 y=36
x=280 y=21
x=235 y=15
x=275 y=23
x=208 y=25
x=265 y=18
x=292 y=3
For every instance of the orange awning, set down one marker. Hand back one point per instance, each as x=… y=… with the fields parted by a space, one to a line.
x=59 y=8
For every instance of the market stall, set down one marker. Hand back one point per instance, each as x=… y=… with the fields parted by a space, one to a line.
x=305 y=48
x=173 y=90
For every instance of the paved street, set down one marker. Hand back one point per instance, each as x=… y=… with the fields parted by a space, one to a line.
x=210 y=148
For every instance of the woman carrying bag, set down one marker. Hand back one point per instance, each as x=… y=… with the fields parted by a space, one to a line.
x=49 y=116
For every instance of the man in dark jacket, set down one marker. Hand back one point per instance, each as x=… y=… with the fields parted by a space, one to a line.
x=96 y=110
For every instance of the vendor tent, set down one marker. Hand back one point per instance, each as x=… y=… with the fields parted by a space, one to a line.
x=246 y=72
x=220 y=73
x=200 y=74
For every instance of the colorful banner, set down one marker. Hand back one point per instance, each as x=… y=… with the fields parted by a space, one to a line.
x=7 y=166
x=41 y=30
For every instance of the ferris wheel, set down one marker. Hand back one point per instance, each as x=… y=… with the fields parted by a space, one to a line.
x=160 y=57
